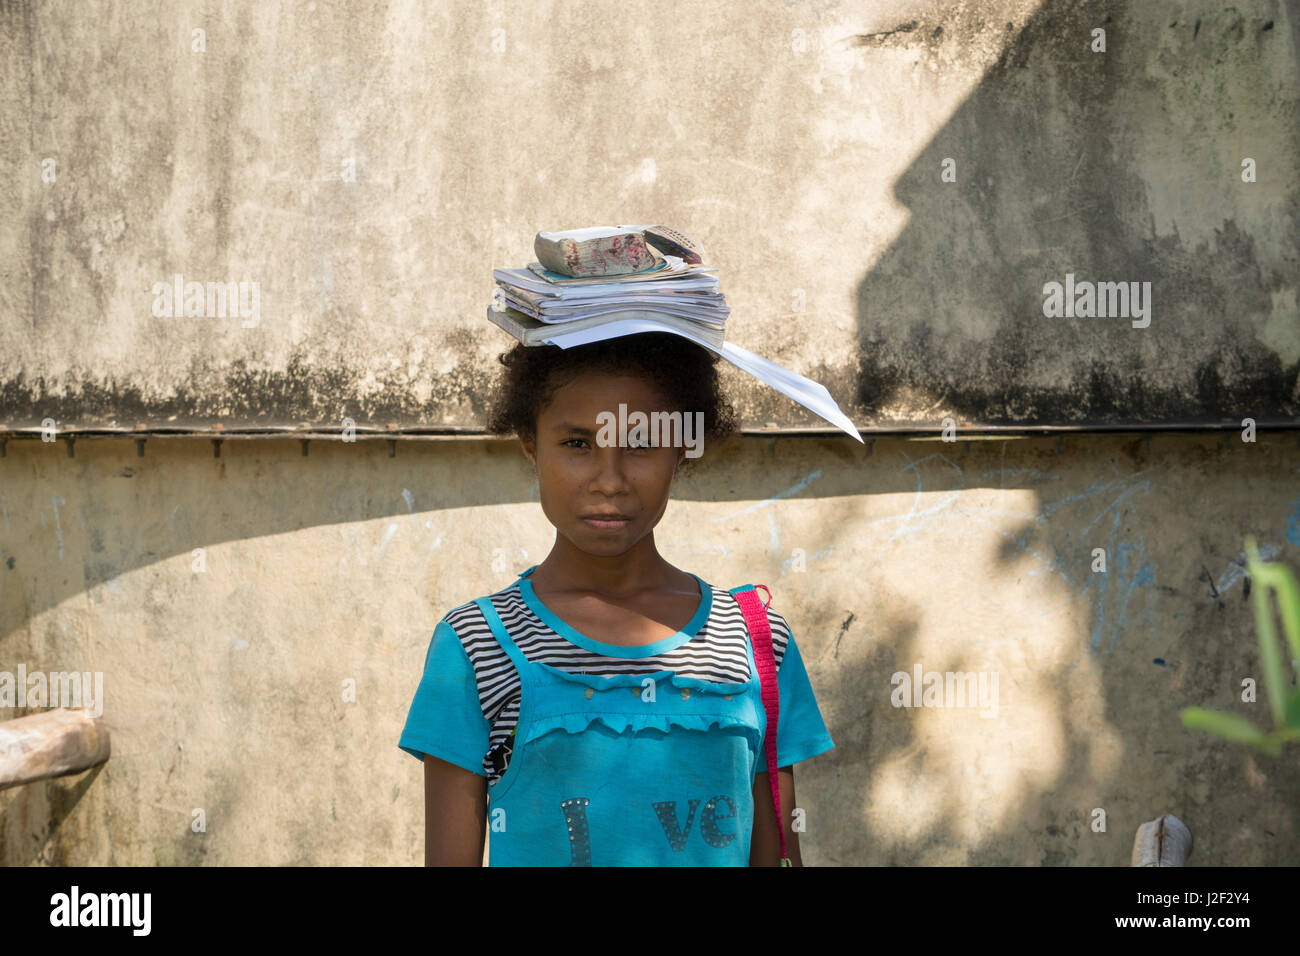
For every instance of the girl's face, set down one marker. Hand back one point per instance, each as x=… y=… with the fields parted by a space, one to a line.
x=579 y=480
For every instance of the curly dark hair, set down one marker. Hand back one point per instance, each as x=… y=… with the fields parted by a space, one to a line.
x=685 y=374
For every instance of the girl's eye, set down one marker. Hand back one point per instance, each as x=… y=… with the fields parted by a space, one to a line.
x=632 y=445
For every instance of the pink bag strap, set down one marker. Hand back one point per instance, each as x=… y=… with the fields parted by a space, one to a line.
x=760 y=637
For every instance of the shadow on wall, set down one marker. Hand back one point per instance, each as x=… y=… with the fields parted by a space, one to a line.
x=1122 y=166
x=1054 y=157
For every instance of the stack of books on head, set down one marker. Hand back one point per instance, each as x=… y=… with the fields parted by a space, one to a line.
x=607 y=281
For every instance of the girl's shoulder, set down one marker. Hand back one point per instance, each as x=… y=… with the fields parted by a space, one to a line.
x=773 y=615
x=468 y=620
x=726 y=615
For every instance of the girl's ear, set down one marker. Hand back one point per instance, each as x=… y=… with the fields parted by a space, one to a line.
x=529 y=447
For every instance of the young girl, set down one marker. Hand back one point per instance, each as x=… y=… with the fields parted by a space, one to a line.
x=604 y=709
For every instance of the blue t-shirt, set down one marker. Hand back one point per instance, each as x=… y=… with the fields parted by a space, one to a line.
x=467 y=703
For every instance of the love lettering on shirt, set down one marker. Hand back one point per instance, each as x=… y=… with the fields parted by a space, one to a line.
x=676 y=832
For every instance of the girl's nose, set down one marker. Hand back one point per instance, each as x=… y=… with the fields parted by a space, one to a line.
x=610 y=476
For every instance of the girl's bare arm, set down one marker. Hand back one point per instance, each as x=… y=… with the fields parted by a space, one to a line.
x=765 y=843
x=455 y=814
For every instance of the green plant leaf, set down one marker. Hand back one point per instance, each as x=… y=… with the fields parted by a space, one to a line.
x=1293 y=709
x=1228 y=726
x=1266 y=577
x=1272 y=743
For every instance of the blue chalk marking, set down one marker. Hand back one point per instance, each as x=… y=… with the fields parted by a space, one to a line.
x=1293 y=523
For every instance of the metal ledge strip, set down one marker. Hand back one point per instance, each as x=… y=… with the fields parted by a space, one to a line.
x=445 y=432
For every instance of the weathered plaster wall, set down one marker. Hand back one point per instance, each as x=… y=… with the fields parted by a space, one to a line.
x=367 y=165
x=223 y=687
x=812 y=174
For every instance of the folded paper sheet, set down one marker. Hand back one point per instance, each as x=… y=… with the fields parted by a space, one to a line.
x=811 y=395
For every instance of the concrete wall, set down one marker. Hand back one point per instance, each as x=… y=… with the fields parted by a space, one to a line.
x=223 y=687
x=368 y=165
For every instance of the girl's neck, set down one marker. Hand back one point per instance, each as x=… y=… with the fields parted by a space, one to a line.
x=642 y=568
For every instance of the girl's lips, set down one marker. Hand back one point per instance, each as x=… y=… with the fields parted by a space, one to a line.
x=607 y=524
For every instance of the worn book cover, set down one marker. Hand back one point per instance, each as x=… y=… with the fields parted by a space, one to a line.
x=596 y=251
